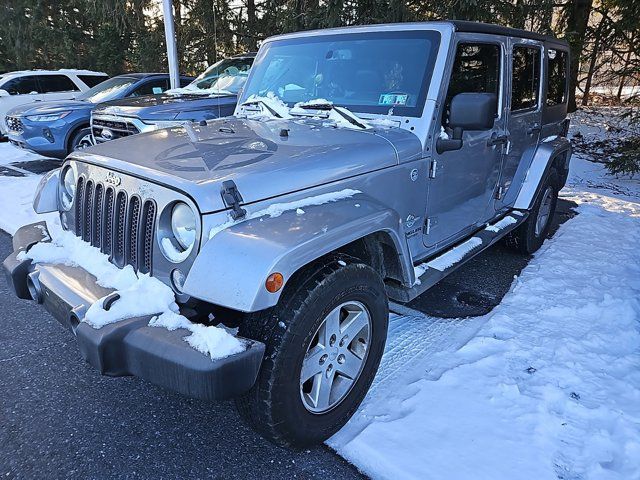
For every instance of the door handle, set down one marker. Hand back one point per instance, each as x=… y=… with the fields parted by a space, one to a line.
x=534 y=129
x=497 y=140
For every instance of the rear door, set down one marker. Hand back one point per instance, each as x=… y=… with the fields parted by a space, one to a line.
x=524 y=109
x=463 y=182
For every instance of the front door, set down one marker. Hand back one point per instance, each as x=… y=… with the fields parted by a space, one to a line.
x=524 y=111
x=463 y=183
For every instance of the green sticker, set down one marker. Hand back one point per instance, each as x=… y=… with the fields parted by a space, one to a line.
x=393 y=99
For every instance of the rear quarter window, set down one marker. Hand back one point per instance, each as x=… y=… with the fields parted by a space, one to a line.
x=525 y=80
x=556 y=77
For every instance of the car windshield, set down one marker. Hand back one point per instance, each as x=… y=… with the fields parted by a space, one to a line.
x=364 y=72
x=111 y=89
x=226 y=76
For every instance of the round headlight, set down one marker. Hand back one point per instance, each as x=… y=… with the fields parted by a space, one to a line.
x=68 y=188
x=183 y=225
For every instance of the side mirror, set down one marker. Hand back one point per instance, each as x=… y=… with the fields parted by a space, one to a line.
x=4 y=93
x=468 y=111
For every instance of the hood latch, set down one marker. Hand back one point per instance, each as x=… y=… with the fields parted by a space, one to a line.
x=232 y=199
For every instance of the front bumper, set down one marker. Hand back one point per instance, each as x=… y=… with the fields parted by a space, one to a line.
x=43 y=140
x=130 y=346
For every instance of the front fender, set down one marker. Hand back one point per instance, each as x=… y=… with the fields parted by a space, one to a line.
x=542 y=160
x=46 y=197
x=232 y=267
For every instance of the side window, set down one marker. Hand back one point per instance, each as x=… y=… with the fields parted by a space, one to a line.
x=92 y=80
x=476 y=69
x=556 y=77
x=21 y=86
x=525 y=78
x=152 y=87
x=56 y=83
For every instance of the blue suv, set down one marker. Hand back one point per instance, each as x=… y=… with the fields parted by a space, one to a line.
x=56 y=128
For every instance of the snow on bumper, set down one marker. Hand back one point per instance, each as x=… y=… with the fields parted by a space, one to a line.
x=130 y=346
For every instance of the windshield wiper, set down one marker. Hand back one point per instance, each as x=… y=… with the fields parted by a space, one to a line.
x=342 y=111
x=264 y=104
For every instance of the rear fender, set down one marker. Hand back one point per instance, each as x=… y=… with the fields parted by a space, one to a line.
x=543 y=159
x=232 y=266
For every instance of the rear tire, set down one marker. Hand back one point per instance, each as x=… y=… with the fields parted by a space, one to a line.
x=342 y=292
x=530 y=236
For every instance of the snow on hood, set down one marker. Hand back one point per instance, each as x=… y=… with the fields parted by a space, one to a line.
x=140 y=295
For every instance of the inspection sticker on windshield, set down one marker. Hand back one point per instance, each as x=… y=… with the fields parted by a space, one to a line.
x=393 y=99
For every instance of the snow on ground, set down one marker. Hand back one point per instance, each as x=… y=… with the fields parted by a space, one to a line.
x=16 y=193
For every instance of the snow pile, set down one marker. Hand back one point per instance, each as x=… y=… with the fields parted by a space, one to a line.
x=548 y=388
x=277 y=209
x=270 y=101
x=503 y=223
x=139 y=295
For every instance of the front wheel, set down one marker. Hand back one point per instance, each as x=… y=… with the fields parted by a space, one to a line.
x=324 y=342
x=529 y=236
x=81 y=140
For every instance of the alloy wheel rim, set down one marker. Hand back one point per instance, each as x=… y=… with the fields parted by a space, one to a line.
x=544 y=211
x=84 y=142
x=335 y=357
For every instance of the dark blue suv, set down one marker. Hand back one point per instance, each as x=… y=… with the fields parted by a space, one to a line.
x=56 y=128
x=211 y=95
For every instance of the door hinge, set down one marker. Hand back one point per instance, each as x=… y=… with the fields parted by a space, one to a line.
x=232 y=198
x=432 y=168
x=499 y=192
x=427 y=226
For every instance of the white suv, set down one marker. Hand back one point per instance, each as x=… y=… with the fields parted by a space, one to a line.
x=18 y=88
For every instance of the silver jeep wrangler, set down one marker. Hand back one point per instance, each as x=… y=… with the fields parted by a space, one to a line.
x=361 y=165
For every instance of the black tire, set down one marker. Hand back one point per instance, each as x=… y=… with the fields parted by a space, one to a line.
x=528 y=237
x=78 y=138
x=274 y=406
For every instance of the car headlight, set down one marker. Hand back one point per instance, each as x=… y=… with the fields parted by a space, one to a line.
x=51 y=117
x=67 y=188
x=177 y=245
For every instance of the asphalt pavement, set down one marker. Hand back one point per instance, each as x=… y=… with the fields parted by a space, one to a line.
x=60 y=419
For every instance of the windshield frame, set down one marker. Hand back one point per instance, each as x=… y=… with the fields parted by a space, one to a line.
x=434 y=35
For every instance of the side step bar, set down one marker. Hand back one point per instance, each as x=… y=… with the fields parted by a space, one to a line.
x=431 y=271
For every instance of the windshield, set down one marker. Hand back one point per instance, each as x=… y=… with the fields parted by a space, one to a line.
x=108 y=90
x=226 y=76
x=365 y=72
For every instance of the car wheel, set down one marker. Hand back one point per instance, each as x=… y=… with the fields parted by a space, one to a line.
x=324 y=342
x=81 y=140
x=530 y=236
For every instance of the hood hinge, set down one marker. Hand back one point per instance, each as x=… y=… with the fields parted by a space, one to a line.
x=232 y=199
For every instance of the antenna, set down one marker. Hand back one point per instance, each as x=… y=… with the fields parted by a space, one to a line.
x=215 y=47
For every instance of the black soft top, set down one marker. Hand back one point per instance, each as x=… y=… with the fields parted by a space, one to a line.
x=478 y=27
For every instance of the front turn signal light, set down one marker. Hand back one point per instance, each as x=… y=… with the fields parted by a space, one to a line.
x=274 y=282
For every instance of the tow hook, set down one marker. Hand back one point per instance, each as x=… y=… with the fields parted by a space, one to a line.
x=232 y=198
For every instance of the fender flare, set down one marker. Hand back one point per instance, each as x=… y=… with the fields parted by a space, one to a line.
x=232 y=267
x=542 y=161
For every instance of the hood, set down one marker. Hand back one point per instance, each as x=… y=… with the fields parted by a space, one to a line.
x=44 y=108
x=252 y=153
x=164 y=107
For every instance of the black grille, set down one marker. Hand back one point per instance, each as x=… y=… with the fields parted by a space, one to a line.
x=15 y=124
x=116 y=129
x=121 y=226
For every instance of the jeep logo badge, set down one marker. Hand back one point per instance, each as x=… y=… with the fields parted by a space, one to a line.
x=107 y=134
x=112 y=179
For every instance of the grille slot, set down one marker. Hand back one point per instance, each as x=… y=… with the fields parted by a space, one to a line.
x=120 y=226
x=116 y=129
